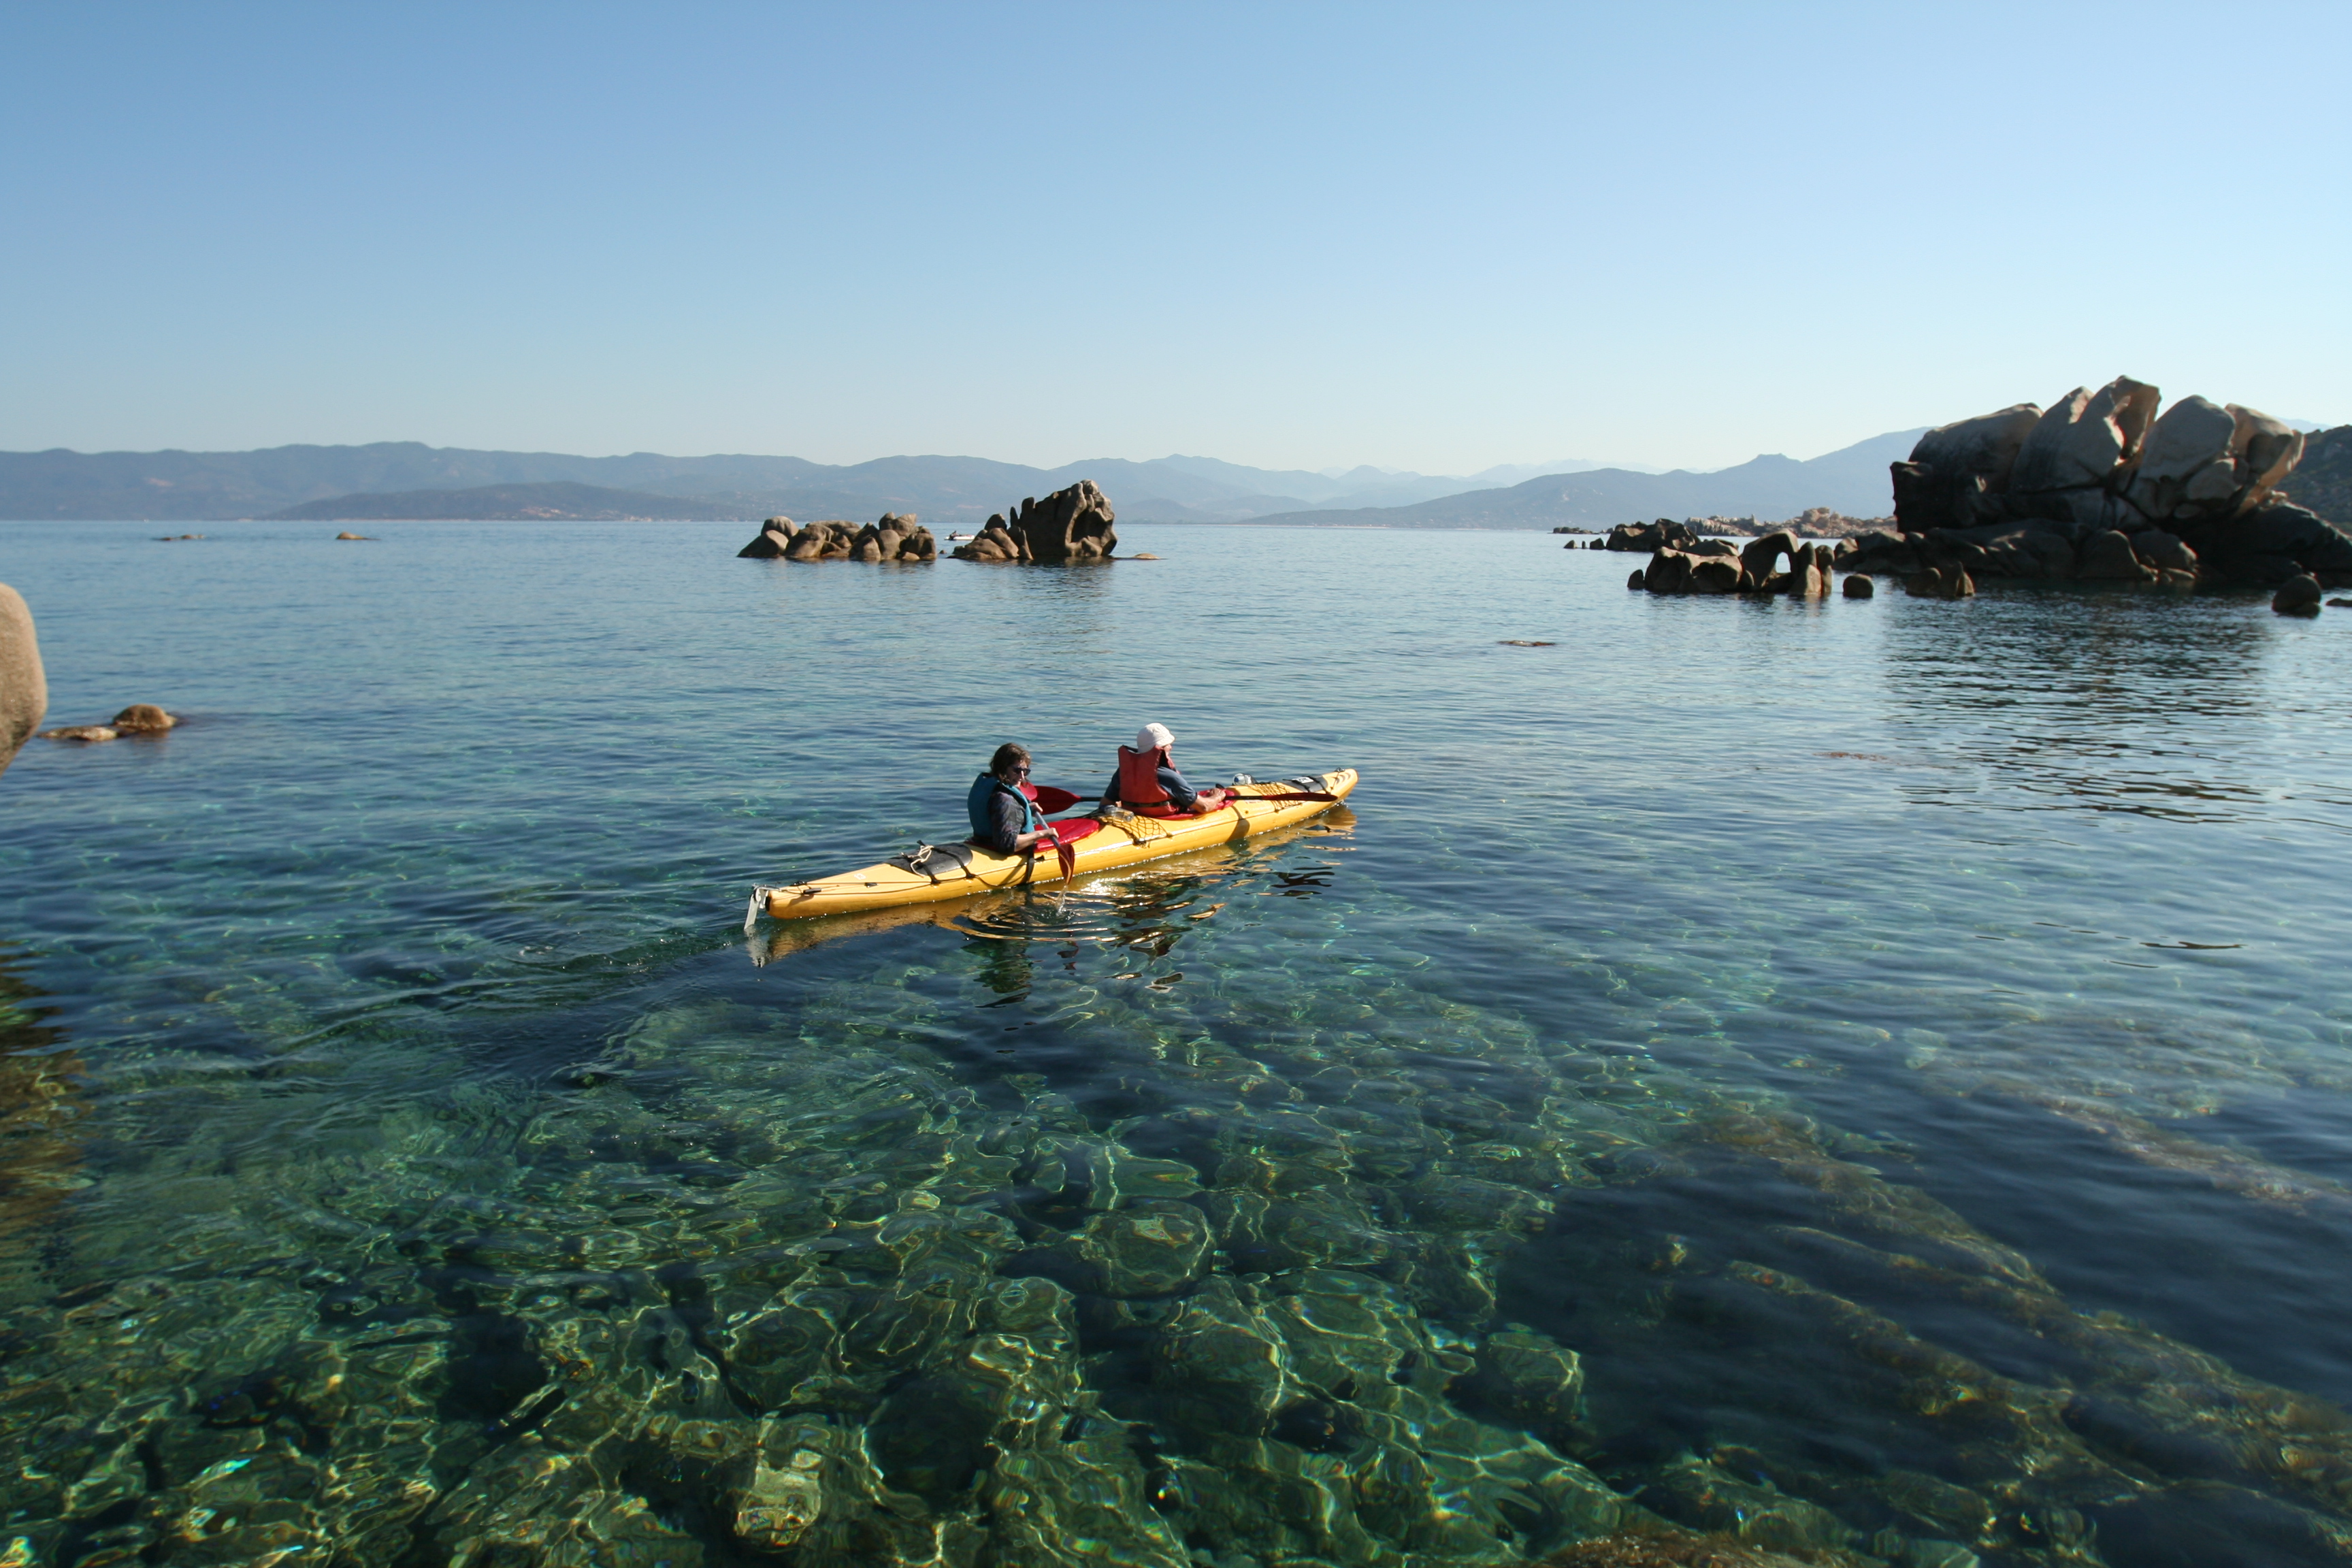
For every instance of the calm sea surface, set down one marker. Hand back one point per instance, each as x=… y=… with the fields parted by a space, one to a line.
x=1871 y=1077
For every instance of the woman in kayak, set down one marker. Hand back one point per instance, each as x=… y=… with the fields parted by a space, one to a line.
x=1147 y=781
x=1003 y=804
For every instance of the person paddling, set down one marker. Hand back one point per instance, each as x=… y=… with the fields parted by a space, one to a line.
x=1150 y=783
x=1002 y=803
x=1008 y=811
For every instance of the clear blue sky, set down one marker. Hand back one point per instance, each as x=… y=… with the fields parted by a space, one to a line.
x=1436 y=237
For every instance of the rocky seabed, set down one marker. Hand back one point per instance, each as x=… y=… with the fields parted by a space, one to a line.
x=733 y=1289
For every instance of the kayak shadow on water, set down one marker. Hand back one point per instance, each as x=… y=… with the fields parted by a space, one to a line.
x=1145 y=908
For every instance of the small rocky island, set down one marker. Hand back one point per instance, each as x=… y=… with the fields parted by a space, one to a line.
x=897 y=537
x=1074 y=524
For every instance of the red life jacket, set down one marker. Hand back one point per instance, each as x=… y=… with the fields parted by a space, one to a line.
x=1139 y=776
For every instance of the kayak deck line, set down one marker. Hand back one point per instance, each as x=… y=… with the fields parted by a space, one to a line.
x=1125 y=838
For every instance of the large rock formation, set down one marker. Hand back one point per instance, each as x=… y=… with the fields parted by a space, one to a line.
x=897 y=537
x=23 y=689
x=1069 y=525
x=2099 y=486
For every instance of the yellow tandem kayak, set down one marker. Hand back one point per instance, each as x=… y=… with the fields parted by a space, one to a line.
x=960 y=870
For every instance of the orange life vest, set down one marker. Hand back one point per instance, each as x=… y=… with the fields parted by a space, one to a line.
x=1139 y=776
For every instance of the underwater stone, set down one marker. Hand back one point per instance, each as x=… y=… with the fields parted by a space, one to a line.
x=1323 y=1228
x=777 y=1509
x=1344 y=1331
x=1038 y=1310
x=1152 y=1250
x=1463 y=1202
x=1222 y=1366
x=1273 y=1502
x=1115 y=1176
x=905 y=1326
x=1700 y=1494
x=1530 y=1378
x=1938 y=1504
x=784 y=1356
x=1080 y=1505
x=1448 y=1277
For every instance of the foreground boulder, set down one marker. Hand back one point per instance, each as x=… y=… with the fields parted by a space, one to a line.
x=897 y=537
x=1939 y=583
x=2298 y=596
x=2103 y=488
x=1073 y=524
x=24 y=688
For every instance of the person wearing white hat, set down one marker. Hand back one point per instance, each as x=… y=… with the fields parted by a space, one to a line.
x=1148 y=782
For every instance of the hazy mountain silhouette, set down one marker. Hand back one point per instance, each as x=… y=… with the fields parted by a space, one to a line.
x=1853 y=480
x=397 y=479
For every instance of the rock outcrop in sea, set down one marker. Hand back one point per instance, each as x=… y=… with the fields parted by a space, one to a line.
x=897 y=537
x=1073 y=524
x=1718 y=566
x=24 y=688
x=1665 y=533
x=1813 y=522
x=138 y=719
x=2099 y=486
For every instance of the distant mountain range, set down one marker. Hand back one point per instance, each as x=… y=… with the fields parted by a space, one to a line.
x=407 y=480
x=557 y=499
x=357 y=482
x=1851 y=480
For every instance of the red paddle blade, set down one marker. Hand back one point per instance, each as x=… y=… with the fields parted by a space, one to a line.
x=1050 y=799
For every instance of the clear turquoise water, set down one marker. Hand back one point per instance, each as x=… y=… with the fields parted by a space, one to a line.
x=1869 y=1077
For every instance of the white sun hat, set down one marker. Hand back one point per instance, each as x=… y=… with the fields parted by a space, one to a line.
x=1153 y=737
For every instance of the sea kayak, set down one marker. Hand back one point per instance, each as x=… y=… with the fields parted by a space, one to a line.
x=932 y=872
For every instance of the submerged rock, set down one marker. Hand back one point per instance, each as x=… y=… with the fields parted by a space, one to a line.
x=779 y=1505
x=1858 y=586
x=1153 y=1250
